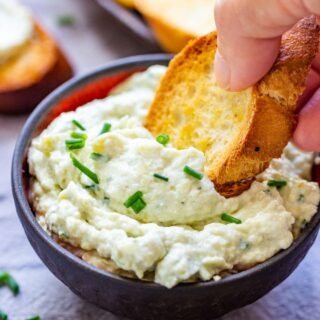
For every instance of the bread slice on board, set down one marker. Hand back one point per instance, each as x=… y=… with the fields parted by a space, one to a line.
x=27 y=78
x=239 y=132
x=127 y=3
x=175 y=22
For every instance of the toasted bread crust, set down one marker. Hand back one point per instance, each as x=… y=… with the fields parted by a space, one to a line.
x=127 y=3
x=35 y=72
x=170 y=38
x=268 y=119
x=170 y=35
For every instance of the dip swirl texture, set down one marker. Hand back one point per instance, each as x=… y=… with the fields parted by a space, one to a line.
x=180 y=233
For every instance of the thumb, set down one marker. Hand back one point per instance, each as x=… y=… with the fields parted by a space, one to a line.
x=249 y=37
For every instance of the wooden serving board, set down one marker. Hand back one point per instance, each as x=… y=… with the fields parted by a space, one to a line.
x=132 y=23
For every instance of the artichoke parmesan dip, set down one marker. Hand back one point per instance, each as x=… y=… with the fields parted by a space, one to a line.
x=103 y=183
x=16 y=28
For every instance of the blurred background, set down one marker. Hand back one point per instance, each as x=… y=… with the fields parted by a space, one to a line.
x=91 y=33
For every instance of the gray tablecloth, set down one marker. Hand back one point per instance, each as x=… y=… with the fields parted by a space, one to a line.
x=91 y=42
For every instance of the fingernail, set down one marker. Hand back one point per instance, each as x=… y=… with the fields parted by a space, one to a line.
x=222 y=71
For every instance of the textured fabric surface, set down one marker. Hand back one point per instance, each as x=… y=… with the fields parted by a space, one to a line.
x=93 y=41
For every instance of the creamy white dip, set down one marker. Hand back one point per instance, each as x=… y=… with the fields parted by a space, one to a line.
x=180 y=233
x=16 y=28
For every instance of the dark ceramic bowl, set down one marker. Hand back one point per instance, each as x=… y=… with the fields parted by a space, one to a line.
x=132 y=298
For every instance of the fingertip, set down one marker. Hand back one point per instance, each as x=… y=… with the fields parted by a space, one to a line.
x=222 y=71
x=299 y=139
x=307 y=137
x=228 y=78
x=312 y=84
x=307 y=133
x=238 y=69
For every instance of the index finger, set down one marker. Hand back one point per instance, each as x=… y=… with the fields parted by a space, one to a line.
x=249 y=35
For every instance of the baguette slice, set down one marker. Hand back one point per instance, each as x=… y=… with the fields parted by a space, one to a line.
x=27 y=78
x=127 y=3
x=177 y=22
x=239 y=132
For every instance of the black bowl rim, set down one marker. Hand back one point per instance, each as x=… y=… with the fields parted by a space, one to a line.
x=18 y=190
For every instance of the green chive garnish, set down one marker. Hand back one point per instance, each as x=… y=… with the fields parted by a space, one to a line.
x=304 y=224
x=105 y=128
x=99 y=157
x=3 y=315
x=228 y=218
x=135 y=202
x=277 y=183
x=8 y=280
x=74 y=144
x=65 y=20
x=85 y=170
x=163 y=138
x=79 y=125
x=34 y=318
x=96 y=156
x=159 y=176
x=243 y=245
x=93 y=188
x=130 y=201
x=79 y=135
x=138 y=205
x=192 y=172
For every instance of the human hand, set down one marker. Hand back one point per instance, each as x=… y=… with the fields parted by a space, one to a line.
x=249 y=37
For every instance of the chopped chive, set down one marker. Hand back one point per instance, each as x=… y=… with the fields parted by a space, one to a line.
x=277 y=183
x=79 y=125
x=74 y=144
x=243 y=245
x=8 y=280
x=79 y=135
x=34 y=318
x=85 y=170
x=163 y=138
x=3 y=315
x=63 y=234
x=105 y=128
x=192 y=172
x=228 y=218
x=13 y=285
x=96 y=156
x=138 y=205
x=303 y=224
x=301 y=198
x=129 y=202
x=159 y=176
x=93 y=188
x=66 y=20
